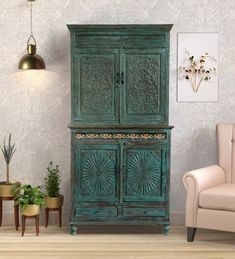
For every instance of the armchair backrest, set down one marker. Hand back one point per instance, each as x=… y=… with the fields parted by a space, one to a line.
x=226 y=150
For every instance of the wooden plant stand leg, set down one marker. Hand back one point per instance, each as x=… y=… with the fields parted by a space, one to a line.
x=23 y=219
x=37 y=224
x=47 y=217
x=16 y=214
x=47 y=210
x=60 y=217
x=36 y=217
x=0 y=212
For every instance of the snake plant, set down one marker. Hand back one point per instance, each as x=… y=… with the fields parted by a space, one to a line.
x=8 y=150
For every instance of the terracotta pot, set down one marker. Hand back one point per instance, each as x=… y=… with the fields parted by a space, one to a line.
x=31 y=210
x=54 y=202
x=7 y=190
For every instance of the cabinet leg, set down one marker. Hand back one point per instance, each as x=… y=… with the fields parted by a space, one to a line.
x=166 y=229
x=73 y=229
x=191 y=234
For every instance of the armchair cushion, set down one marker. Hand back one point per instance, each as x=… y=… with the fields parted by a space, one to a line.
x=220 y=197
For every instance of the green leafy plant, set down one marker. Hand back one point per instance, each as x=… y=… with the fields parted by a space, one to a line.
x=53 y=180
x=8 y=150
x=26 y=195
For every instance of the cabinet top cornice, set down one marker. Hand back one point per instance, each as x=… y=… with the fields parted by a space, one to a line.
x=126 y=27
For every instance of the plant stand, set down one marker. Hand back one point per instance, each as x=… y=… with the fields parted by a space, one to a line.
x=36 y=217
x=16 y=211
x=47 y=210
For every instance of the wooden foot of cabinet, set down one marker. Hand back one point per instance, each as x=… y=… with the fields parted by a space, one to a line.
x=166 y=229
x=73 y=229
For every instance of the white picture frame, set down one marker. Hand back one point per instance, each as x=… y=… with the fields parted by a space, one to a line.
x=198 y=87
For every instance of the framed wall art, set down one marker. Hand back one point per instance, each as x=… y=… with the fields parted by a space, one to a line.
x=197 y=67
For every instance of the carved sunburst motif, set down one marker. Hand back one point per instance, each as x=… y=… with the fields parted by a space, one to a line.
x=98 y=175
x=143 y=174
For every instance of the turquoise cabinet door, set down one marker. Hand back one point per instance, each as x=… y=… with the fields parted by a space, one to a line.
x=144 y=175
x=96 y=175
x=144 y=89
x=95 y=86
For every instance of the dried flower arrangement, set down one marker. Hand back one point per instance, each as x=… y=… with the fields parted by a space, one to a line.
x=196 y=71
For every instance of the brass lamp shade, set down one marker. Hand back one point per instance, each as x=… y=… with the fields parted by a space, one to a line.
x=31 y=60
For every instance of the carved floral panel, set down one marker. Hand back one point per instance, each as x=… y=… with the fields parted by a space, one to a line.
x=97 y=84
x=143 y=84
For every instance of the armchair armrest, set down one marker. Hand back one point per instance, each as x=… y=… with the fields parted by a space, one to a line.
x=196 y=181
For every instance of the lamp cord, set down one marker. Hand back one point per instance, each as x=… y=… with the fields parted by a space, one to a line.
x=31 y=18
x=31 y=37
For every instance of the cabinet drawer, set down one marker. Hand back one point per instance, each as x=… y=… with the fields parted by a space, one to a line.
x=96 y=212
x=144 y=212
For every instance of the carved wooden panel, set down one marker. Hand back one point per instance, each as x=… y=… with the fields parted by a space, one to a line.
x=143 y=176
x=95 y=95
x=144 y=88
x=97 y=172
x=96 y=84
x=143 y=85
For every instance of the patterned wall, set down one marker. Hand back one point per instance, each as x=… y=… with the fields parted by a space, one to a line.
x=35 y=106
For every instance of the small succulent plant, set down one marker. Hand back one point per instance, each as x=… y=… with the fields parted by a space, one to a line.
x=8 y=150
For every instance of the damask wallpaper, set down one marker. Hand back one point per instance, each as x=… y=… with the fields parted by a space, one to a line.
x=35 y=106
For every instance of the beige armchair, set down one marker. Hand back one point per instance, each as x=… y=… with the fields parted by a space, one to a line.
x=210 y=201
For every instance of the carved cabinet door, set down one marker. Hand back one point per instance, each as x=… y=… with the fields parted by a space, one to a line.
x=144 y=172
x=144 y=86
x=96 y=175
x=95 y=91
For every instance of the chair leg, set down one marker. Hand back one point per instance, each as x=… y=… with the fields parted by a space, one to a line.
x=191 y=234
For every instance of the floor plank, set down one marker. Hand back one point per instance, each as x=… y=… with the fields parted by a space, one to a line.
x=108 y=242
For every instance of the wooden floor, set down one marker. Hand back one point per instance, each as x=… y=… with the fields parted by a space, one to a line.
x=114 y=242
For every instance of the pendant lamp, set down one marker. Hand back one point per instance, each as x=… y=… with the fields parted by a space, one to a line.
x=31 y=60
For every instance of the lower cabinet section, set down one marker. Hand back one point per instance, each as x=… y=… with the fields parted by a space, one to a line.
x=96 y=212
x=144 y=212
x=91 y=213
x=120 y=178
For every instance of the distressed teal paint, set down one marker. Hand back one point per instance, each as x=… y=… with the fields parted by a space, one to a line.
x=120 y=172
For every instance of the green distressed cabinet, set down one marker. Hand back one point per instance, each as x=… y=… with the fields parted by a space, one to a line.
x=120 y=137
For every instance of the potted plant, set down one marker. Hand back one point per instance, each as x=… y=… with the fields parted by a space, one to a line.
x=53 y=199
x=8 y=150
x=30 y=199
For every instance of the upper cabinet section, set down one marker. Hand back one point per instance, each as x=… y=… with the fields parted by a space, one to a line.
x=120 y=74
